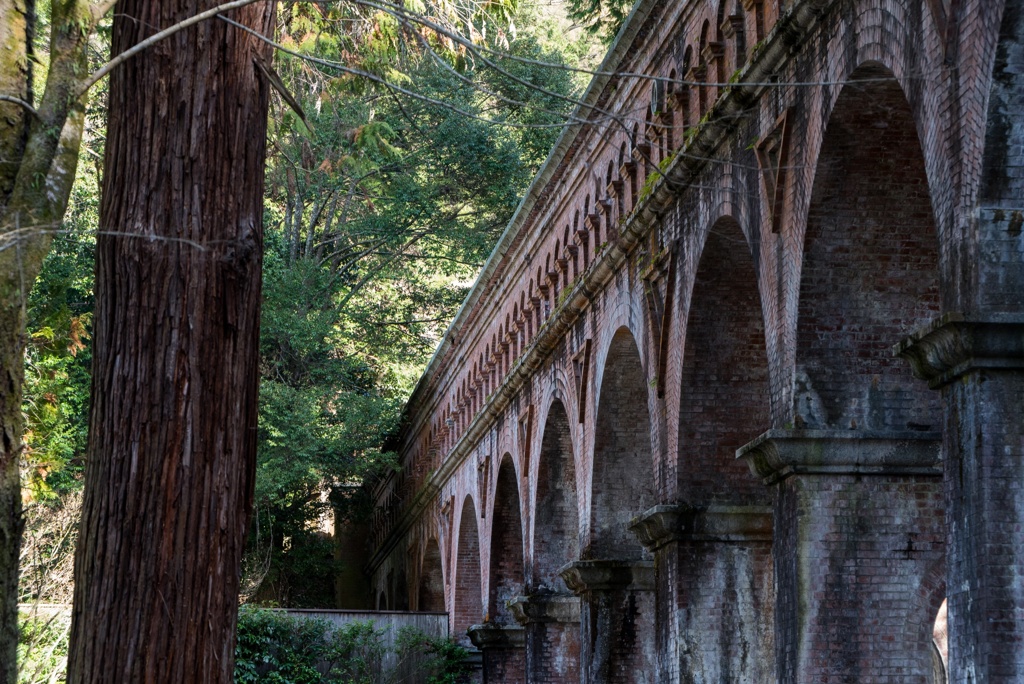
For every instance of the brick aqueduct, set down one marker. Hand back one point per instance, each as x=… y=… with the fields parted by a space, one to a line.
x=675 y=434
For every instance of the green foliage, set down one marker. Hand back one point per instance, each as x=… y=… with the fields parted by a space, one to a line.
x=43 y=648
x=58 y=356
x=601 y=18
x=378 y=217
x=276 y=647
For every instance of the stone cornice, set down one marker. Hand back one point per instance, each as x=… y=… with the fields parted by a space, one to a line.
x=545 y=608
x=778 y=454
x=952 y=345
x=665 y=524
x=490 y=635
x=687 y=164
x=599 y=576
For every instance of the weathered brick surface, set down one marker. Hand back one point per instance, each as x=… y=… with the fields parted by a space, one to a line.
x=553 y=652
x=863 y=579
x=861 y=174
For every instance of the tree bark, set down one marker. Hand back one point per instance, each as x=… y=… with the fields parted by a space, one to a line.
x=172 y=432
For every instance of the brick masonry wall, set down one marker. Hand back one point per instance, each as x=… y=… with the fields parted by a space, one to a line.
x=862 y=578
x=844 y=258
x=553 y=652
x=724 y=613
x=468 y=607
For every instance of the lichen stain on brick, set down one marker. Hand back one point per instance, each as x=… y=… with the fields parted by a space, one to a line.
x=1016 y=221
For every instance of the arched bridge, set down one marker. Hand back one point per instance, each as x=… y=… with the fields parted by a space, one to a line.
x=675 y=433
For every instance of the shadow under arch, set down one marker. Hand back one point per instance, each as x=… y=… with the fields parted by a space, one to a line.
x=430 y=595
x=725 y=394
x=719 y=599
x=615 y=579
x=506 y=578
x=870 y=272
x=468 y=607
x=556 y=520
x=622 y=484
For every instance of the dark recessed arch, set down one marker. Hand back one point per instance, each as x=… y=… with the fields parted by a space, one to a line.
x=623 y=470
x=556 y=522
x=431 y=589
x=469 y=608
x=870 y=272
x=725 y=396
x=506 y=570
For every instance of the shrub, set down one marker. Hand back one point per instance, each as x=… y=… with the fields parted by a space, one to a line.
x=278 y=648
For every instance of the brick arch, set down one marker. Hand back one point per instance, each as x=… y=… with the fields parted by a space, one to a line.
x=506 y=576
x=556 y=511
x=622 y=483
x=401 y=590
x=431 y=585
x=998 y=281
x=724 y=391
x=468 y=607
x=870 y=271
x=924 y=607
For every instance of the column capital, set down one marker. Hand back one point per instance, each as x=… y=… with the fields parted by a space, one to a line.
x=953 y=345
x=596 y=576
x=491 y=635
x=777 y=454
x=669 y=523
x=545 y=608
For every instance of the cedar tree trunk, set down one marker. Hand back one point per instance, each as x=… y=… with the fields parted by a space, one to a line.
x=172 y=433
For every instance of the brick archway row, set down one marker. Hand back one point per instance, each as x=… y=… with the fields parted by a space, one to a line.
x=764 y=244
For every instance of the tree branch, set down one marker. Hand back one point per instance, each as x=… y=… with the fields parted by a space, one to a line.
x=21 y=103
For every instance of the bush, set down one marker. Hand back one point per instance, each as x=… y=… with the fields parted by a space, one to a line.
x=43 y=648
x=276 y=647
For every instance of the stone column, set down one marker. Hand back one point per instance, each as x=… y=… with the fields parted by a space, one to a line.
x=552 y=624
x=859 y=552
x=715 y=592
x=502 y=649
x=617 y=619
x=979 y=367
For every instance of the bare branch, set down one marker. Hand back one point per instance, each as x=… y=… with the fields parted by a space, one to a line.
x=21 y=103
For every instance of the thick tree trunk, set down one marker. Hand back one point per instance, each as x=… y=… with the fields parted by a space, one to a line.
x=172 y=431
x=12 y=329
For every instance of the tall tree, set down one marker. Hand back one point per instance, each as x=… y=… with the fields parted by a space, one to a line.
x=39 y=144
x=173 y=424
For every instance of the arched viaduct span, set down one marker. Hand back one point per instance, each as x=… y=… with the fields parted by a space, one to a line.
x=670 y=437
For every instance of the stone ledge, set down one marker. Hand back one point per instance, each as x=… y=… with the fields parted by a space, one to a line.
x=951 y=346
x=595 y=576
x=490 y=635
x=778 y=454
x=545 y=608
x=664 y=524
